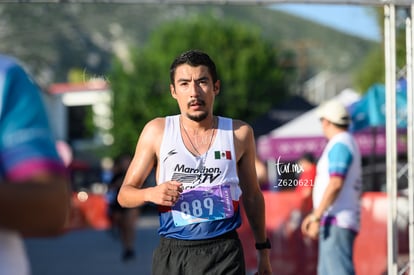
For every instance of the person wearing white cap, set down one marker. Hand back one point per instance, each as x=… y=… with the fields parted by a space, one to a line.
x=335 y=219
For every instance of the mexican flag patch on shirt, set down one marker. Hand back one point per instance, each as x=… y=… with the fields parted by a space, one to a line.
x=222 y=154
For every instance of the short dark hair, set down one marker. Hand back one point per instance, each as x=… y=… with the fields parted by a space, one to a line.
x=308 y=156
x=194 y=58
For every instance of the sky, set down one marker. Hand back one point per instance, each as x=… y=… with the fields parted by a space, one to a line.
x=353 y=19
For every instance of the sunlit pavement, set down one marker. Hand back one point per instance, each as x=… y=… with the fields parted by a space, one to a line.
x=92 y=252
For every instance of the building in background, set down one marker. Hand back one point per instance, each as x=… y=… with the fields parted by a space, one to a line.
x=81 y=116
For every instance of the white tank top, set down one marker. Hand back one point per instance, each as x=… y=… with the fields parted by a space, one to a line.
x=209 y=204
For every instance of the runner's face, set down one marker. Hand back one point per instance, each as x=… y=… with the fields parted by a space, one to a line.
x=194 y=91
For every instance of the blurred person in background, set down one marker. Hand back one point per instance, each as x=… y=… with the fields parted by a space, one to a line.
x=123 y=219
x=305 y=182
x=34 y=187
x=303 y=192
x=204 y=163
x=335 y=219
x=304 y=246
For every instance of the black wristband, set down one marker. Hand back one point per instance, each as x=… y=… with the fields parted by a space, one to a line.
x=265 y=245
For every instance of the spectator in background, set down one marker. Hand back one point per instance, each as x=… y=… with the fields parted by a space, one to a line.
x=123 y=219
x=303 y=190
x=34 y=187
x=336 y=194
x=304 y=247
x=305 y=182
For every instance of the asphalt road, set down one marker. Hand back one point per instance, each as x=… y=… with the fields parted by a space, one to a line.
x=93 y=252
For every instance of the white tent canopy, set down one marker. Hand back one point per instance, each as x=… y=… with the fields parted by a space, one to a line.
x=307 y=124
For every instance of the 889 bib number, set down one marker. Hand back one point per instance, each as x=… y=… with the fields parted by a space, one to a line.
x=203 y=204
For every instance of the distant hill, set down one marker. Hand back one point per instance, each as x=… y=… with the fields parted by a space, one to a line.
x=52 y=38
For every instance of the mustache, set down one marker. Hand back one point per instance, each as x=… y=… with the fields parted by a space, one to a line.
x=196 y=101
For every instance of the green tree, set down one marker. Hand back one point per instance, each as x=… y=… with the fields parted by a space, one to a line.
x=372 y=69
x=252 y=80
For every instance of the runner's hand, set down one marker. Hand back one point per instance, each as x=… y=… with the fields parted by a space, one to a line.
x=166 y=193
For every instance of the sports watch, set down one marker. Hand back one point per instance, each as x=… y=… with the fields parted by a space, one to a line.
x=265 y=245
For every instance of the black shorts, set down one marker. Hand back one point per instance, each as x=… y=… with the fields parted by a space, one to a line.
x=216 y=256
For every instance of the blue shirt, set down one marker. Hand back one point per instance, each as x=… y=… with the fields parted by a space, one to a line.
x=26 y=142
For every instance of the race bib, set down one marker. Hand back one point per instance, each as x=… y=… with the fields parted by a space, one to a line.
x=203 y=204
